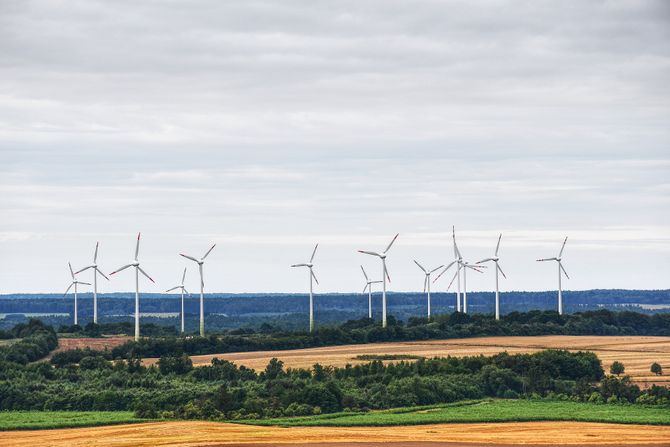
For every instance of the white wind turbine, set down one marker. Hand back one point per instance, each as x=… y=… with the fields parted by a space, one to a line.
x=426 y=281
x=368 y=287
x=495 y=259
x=183 y=290
x=312 y=278
x=385 y=274
x=138 y=270
x=74 y=283
x=96 y=270
x=460 y=265
x=558 y=259
x=200 y=262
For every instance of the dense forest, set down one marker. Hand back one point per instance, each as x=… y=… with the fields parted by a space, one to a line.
x=229 y=311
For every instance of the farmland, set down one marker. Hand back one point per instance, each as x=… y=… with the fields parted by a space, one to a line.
x=201 y=433
x=637 y=353
x=27 y=420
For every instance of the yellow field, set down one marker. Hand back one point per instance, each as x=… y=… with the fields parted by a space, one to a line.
x=191 y=433
x=637 y=353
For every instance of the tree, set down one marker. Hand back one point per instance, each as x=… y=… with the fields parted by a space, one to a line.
x=656 y=369
x=617 y=368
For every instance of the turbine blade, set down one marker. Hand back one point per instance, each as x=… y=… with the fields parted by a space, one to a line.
x=376 y=282
x=188 y=257
x=498 y=245
x=365 y=274
x=366 y=287
x=436 y=269
x=174 y=288
x=95 y=255
x=82 y=282
x=547 y=259
x=484 y=260
x=452 y=280
x=420 y=266
x=122 y=268
x=425 y=280
x=391 y=243
x=370 y=253
x=313 y=253
x=68 y=289
x=300 y=265
x=560 y=253
x=183 y=277
x=209 y=251
x=386 y=271
x=566 y=273
x=137 y=246
x=186 y=291
x=313 y=275
x=145 y=274
x=442 y=272
x=84 y=269
x=500 y=270
x=103 y=275
x=71 y=271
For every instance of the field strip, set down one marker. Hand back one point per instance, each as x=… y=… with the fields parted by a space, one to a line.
x=197 y=433
x=636 y=352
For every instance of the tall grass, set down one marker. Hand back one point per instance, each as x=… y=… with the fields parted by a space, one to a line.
x=34 y=420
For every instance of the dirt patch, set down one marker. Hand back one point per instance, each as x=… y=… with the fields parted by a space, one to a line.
x=101 y=344
x=637 y=353
x=191 y=433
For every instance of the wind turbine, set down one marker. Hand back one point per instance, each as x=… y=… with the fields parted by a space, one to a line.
x=74 y=283
x=385 y=274
x=560 y=267
x=426 y=282
x=495 y=259
x=312 y=277
x=183 y=290
x=138 y=270
x=96 y=270
x=368 y=287
x=460 y=265
x=200 y=262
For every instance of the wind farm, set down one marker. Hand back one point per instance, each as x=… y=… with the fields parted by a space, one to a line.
x=369 y=223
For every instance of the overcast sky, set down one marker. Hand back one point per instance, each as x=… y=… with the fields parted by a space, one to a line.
x=268 y=126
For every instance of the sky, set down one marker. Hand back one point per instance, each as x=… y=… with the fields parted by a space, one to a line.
x=266 y=127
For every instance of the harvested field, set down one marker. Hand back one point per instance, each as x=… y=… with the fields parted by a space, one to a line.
x=94 y=343
x=637 y=353
x=189 y=433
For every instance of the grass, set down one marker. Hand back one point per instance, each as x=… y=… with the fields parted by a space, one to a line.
x=485 y=411
x=36 y=420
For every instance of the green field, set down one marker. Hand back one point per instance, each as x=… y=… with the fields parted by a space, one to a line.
x=33 y=420
x=486 y=411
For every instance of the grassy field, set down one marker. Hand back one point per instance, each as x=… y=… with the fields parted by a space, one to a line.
x=486 y=411
x=33 y=420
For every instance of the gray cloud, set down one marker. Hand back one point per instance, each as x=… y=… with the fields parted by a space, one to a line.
x=266 y=126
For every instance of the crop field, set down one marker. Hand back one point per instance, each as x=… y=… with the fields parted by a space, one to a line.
x=102 y=343
x=486 y=411
x=28 y=420
x=637 y=353
x=200 y=433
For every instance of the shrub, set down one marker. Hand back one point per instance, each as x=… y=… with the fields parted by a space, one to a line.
x=617 y=368
x=657 y=369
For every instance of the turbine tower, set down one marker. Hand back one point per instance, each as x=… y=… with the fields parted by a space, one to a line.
x=138 y=270
x=426 y=281
x=495 y=259
x=312 y=278
x=368 y=287
x=96 y=270
x=200 y=262
x=385 y=274
x=459 y=265
x=558 y=260
x=74 y=283
x=183 y=290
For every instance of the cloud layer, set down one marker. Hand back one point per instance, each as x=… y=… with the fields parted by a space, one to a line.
x=268 y=126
